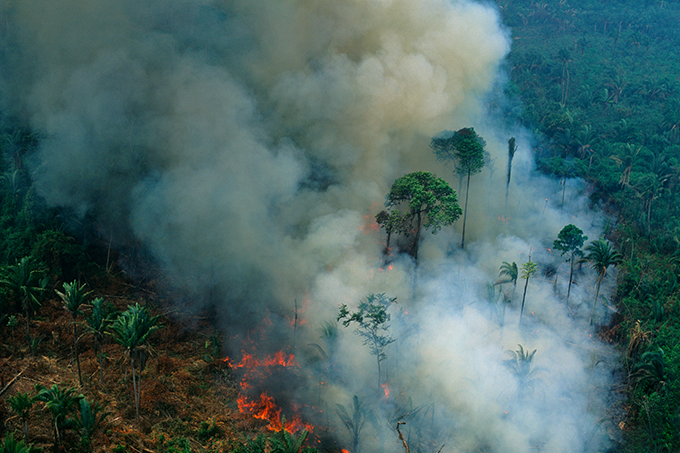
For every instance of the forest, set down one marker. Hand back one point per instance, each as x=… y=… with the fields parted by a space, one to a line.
x=135 y=316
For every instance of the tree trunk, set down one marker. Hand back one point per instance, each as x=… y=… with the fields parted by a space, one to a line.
x=101 y=361
x=134 y=385
x=571 y=276
x=597 y=293
x=415 y=253
x=75 y=345
x=524 y=296
x=467 y=192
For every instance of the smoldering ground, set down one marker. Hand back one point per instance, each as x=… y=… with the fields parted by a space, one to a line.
x=248 y=145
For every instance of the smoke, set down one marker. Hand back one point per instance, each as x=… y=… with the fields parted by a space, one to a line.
x=249 y=144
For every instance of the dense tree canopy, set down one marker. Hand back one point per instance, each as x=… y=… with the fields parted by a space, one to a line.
x=431 y=203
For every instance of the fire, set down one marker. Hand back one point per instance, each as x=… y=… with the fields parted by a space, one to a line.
x=386 y=389
x=264 y=406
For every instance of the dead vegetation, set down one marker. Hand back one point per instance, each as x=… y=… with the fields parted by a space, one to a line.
x=187 y=391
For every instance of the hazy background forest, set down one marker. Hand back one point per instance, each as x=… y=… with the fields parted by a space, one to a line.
x=123 y=136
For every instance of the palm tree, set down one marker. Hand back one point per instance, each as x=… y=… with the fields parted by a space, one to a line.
x=649 y=188
x=21 y=404
x=132 y=329
x=98 y=324
x=24 y=281
x=90 y=419
x=73 y=298
x=61 y=403
x=509 y=273
x=601 y=255
x=354 y=422
x=520 y=366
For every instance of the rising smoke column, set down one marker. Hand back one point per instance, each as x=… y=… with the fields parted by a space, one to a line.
x=248 y=145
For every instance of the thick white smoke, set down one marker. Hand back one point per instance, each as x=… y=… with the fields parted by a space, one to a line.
x=248 y=145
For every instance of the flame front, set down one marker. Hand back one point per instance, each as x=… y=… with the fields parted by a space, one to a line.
x=264 y=406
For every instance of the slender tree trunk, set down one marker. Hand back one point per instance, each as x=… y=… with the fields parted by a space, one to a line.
x=524 y=296
x=415 y=253
x=467 y=192
x=101 y=361
x=75 y=346
x=28 y=323
x=25 y=426
x=571 y=276
x=134 y=384
x=597 y=293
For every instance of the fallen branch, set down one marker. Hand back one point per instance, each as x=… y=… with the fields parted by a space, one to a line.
x=401 y=437
x=2 y=392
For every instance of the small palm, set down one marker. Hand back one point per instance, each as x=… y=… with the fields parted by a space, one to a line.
x=60 y=403
x=601 y=255
x=73 y=298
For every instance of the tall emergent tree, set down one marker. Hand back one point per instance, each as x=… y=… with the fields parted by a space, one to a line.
x=132 y=329
x=601 y=255
x=431 y=201
x=373 y=320
x=569 y=242
x=73 y=298
x=466 y=149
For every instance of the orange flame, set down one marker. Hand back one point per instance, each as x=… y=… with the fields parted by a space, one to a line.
x=264 y=407
x=386 y=389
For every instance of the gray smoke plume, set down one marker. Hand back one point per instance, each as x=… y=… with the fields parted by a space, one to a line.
x=249 y=144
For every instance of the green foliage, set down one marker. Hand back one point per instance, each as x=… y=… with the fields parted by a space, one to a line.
x=208 y=430
x=90 y=420
x=27 y=286
x=61 y=403
x=131 y=330
x=59 y=253
x=509 y=272
x=98 y=324
x=73 y=298
x=10 y=445
x=174 y=445
x=21 y=404
x=601 y=255
x=520 y=365
x=255 y=445
x=569 y=242
x=372 y=320
x=285 y=442
x=466 y=149
x=354 y=422
x=431 y=201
